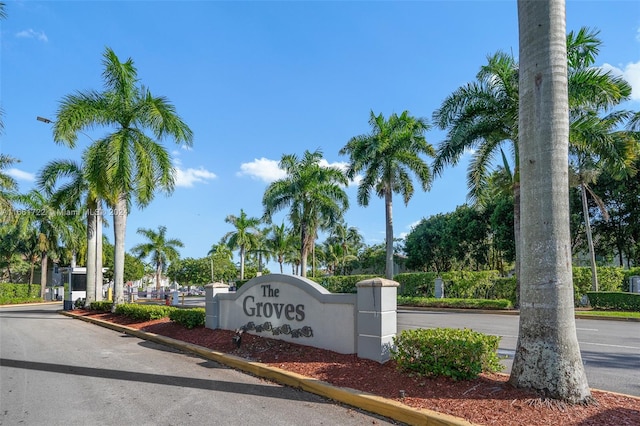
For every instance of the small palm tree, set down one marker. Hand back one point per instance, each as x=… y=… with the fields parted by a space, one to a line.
x=388 y=156
x=314 y=195
x=244 y=236
x=281 y=243
x=160 y=249
x=8 y=186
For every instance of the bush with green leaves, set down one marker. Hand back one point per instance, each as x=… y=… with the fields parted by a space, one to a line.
x=456 y=353
x=609 y=279
x=430 y=302
x=19 y=293
x=144 y=312
x=614 y=300
x=188 y=318
x=342 y=283
x=101 y=306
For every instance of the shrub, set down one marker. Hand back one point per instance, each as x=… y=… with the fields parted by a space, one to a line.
x=188 y=318
x=144 y=312
x=19 y=293
x=456 y=353
x=101 y=306
x=342 y=283
x=609 y=279
x=616 y=301
x=455 y=303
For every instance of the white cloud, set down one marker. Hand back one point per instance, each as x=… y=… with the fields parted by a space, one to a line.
x=262 y=169
x=38 y=35
x=186 y=178
x=631 y=73
x=21 y=175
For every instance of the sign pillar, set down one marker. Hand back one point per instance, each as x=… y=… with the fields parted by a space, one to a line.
x=212 y=307
x=377 y=318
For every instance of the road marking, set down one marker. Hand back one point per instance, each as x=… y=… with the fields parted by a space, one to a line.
x=587 y=329
x=611 y=346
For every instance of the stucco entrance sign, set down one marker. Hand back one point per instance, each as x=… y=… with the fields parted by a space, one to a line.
x=296 y=309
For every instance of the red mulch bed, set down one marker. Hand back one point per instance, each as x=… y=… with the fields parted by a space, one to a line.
x=487 y=400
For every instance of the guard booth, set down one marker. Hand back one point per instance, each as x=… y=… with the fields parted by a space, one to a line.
x=75 y=285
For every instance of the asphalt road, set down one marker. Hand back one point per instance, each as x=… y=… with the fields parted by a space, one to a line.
x=55 y=370
x=610 y=349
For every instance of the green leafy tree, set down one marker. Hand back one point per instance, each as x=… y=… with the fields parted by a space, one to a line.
x=547 y=357
x=350 y=241
x=387 y=157
x=244 y=237
x=8 y=188
x=314 y=195
x=129 y=163
x=160 y=249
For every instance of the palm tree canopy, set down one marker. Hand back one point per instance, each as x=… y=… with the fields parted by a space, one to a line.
x=158 y=247
x=388 y=155
x=244 y=235
x=127 y=161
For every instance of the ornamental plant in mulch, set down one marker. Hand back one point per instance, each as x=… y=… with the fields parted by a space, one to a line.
x=456 y=353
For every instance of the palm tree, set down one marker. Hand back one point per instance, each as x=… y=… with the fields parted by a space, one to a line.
x=244 y=236
x=8 y=186
x=160 y=249
x=50 y=227
x=280 y=243
x=314 y=195
x=547 y=357
x=76 y=193
x=388 y=156
x=127 y=164
x=261 y=248
x=482 y=116
x=349 y=239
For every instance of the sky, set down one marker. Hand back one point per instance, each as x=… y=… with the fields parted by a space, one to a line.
x=258 y=80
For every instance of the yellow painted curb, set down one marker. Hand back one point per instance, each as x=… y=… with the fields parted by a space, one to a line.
x=368 y=402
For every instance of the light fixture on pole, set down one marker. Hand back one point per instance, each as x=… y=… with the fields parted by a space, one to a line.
x=44 y=120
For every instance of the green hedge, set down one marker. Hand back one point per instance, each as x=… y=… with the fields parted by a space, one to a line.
x=609 y=279
x=617 y=301
x=101 y=306
x=144 y=312
x=456 y=353
x=431 y=302
x=342 y=283
x=188 y=318
x=19 y=293
x=628 y=273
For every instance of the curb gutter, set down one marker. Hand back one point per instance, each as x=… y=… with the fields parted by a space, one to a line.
x=365 y=401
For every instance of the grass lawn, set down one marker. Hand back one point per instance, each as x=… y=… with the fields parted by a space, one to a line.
x=616 y=314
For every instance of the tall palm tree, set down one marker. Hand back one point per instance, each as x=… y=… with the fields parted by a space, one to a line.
x=129 y=163
x=314 y=195
x=349 y=239
x=243 y=237
x=160 y=249
x=280 y=242
x=482 y=116
x=66 y=182
x=547 y=357
x=261 y=248
x=388 y=156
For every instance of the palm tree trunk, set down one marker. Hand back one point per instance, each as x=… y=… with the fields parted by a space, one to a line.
x=91 y=252
x=158 y=276
x=547 y=357
x=517 y=239
x=587 y=227
x=242 y=262
x=388 y=233
x=99 y=276
x=43 y=273
x=119 y=230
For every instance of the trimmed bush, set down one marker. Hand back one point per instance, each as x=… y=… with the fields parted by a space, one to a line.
x=456 y=353
x=101 y=306
x=609 y=279
x=19 y=293
x=616 y=301
x=455 y=303
x=144 y=312
x=342 y=283
x=188 y=318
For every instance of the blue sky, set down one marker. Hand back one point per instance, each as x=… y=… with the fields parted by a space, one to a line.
x=256 y=80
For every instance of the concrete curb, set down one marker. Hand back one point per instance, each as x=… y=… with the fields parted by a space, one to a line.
x=365 y=401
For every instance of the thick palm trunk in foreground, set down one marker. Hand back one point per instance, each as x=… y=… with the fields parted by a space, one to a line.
x=119 y=228
x=547 y=355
